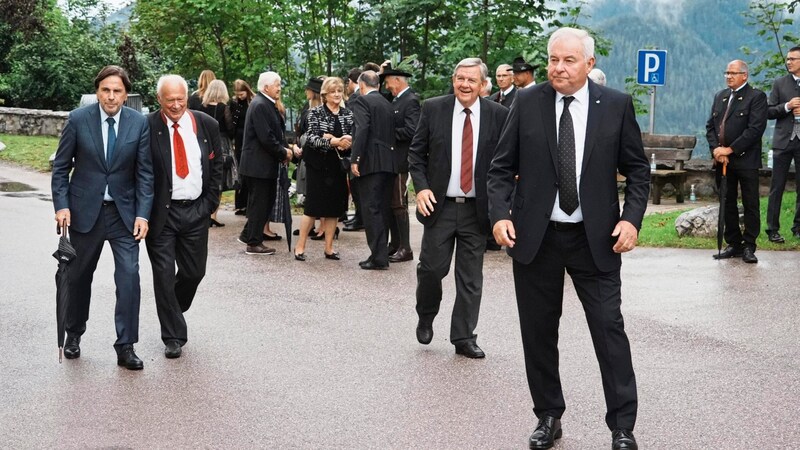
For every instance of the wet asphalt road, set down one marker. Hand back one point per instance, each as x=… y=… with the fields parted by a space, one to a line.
x=321 y=354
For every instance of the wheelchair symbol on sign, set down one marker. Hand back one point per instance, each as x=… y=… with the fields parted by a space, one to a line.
x=654 y=78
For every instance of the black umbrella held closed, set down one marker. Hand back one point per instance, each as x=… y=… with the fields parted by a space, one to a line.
x=282 y=210
x=65 y=255
x=723 y=193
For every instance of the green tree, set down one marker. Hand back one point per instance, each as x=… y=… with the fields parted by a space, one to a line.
x=774 y=23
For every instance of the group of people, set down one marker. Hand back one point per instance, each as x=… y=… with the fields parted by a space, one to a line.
x=734 y=130
x=538 y=177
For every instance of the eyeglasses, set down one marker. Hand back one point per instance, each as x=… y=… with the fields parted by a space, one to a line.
x=733 y=74
x=790 y=59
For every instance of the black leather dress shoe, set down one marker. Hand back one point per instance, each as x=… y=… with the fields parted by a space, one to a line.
x=470 y=350
x=730 y=252
x=361 y=263
x=354 y=226
x=401 y=255
x=749 y=255
x=72 y=348
x=623 y=440
x=173 y=350
x=775 y=237
x=127 y=357
x=370 y=265
x=546 y=433
x=424 y=333
x=334 y=256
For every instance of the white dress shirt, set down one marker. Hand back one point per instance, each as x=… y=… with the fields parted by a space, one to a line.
x=454 y=186
x=191 y=187
x=579 y=110
x=104 y=128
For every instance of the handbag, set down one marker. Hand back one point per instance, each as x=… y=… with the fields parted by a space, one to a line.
x=344 y=162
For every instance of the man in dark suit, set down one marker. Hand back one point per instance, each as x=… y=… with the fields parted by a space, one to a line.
x=374 y=164
x=523 y=73
x=566 y=217
x=507 y=90
x=449 y=158
x=263 y=148
x=405 y=105
x=106 y=147
x=784 y=107
x=188 y=172
x=734 y=129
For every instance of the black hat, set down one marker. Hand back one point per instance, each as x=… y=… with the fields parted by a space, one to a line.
x=520 y=65
x=315 y=84
x=388 y=71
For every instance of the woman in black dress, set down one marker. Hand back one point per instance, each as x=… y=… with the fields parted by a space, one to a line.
x=330 y=128
x=215 y=104
x=242 y=95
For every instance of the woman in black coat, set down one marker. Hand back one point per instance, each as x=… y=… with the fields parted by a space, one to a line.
x=242 y=95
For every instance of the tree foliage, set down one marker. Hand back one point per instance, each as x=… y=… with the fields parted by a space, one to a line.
x=774 y=24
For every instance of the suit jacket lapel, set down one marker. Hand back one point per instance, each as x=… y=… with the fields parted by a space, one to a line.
x=483 y=133
x=205 y=151
x=95 y=128
x=164 y=150
x=737 y=99
x=592 y=123
x=547 y=111
x=447 y=131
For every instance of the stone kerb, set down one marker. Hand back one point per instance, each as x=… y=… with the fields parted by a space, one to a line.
x=32 y=122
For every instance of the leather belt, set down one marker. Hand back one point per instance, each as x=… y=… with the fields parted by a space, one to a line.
x=461 y=199
x=108 y=202
x=565 y=226
x=183 y=202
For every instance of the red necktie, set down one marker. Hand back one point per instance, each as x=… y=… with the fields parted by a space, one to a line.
x=466 y=154
x=181 y=166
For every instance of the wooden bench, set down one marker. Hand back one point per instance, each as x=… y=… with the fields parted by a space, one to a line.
x=671 y=152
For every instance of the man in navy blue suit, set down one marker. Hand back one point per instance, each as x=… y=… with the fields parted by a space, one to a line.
x=106 y=147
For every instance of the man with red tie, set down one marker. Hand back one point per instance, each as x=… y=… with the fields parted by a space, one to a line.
x=448 y=160
x=187 y=167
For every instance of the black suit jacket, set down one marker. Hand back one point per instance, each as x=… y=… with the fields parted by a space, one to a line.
x=208 y=136
x=81 y=172
x=783 y=89
x=508 y=98
x=528 y=147
x=264 y=143
x=373 y=138
x=430 y=155
x=746 y=122
x=406 y=115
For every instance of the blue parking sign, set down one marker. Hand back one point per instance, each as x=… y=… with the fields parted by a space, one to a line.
x=652 y=67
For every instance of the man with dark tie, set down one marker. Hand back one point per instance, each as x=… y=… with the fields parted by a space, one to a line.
x=566 y=218
x=449 y=158
x=405 y=105
x=106 y=148
x=505 y=78
x=733 y=130
x=374 y=164
x=263 y=148
x=784 y=108
x=188 y=172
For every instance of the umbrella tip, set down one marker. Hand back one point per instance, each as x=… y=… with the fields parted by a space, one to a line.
x=60 y=354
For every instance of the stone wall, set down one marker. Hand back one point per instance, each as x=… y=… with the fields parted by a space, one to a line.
x=32 y=122
x=701 y=174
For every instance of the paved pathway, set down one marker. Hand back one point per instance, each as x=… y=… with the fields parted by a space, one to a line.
x=321 y=354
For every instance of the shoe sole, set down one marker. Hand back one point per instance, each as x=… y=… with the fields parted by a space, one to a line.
x=259 y=253
x=122 y=364
x=463 y=353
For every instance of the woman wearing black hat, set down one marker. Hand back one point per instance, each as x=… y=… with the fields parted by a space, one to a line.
x=329 y=135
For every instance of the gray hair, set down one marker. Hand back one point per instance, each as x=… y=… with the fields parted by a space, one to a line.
x=473 y=62
x=504 y=67
x=267 y=79
x=566 y=32
x=171 y=79
x=742 y=66
x=598 y=76
x=370 y=79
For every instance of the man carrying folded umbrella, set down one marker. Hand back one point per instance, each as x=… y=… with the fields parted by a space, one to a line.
x=734 y=129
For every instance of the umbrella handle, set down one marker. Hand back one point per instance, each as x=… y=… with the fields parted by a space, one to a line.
x=725 y=169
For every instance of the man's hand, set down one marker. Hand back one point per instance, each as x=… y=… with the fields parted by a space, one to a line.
x=504 y=233
x=627 y=236
x=140 y=228
x=62 y=219
x=794 y=105
x=298 y=152
x=721 y=152
x=289 y=155
x=425 y=202
x=354 y=169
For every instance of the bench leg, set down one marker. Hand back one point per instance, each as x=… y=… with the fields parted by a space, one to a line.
x=679 y=183
x=656 y=188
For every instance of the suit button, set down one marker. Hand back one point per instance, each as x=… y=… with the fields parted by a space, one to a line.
x=167 y=205
x=555 y=184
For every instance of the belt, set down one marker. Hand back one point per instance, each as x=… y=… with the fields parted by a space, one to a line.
x=565 y=226
x=108 y=202
x=461 y=199
x=183 y=202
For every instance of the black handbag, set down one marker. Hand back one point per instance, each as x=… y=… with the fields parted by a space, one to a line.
x=344 y=162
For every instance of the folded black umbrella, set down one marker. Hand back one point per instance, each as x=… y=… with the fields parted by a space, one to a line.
x=723 y=193
x=65 y=255
x=286 y=206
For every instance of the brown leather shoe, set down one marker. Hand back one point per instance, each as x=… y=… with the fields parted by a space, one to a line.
x=259 y=250
x=401 y=255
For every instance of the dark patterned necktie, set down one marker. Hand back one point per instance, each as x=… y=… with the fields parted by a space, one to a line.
x=567 y=187
x=466 y=154
x=724 y=118
x=112 y=139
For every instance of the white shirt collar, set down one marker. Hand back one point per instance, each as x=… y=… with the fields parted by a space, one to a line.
x=581 y=95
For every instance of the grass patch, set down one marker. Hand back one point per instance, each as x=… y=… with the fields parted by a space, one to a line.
x=30 y=151
x=658 y=230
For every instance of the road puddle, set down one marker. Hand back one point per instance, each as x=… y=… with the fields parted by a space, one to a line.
x=14 y=186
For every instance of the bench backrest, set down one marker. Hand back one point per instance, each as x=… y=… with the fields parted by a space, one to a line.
x=668 y=148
